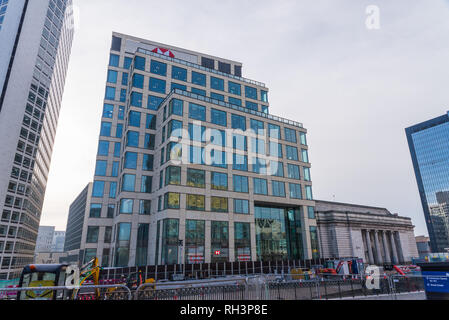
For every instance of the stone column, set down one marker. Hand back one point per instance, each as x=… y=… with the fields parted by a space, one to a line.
x=394 y=259
x=377 y=245
x=368 y=244
x=386 y=249
x=401 y=257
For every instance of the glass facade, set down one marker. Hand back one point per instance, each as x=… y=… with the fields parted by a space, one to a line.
x=278 y=233
x=429 y=148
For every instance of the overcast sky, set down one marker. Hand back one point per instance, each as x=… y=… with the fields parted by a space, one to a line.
x=353 y=88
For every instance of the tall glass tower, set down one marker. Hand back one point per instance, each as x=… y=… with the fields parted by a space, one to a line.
x=35 y=41
x=191 y=166
x=429 y=147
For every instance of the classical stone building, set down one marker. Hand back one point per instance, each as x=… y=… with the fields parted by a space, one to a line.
x=373 y=234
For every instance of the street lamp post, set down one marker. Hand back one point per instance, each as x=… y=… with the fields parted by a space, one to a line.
x=181 y=246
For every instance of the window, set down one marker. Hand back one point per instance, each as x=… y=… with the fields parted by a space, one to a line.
x=151 y=122
x=304 y=155
x=307 y=174
x=274 y=131
x=112 y=76
x=240 y=162
x=146 y=184
x=260 y=186
x=176 y=107
x=112 y=190
x=154 y=102
x=179 y=73
x=157 y=85
x=224 y=67
x=105 y=130
x=132 y=138
x=136 y=99
x=138 y=80
x=198 y=91
x=208 y=63
x=115 y=166
x=295 y=191
x=290 y=135
x=178 y=86
x=292 y=153
x=195 y=202
x=117 y=146
x=129 y=182
x=197 y=133
x=239 y=142
x=264 y=96
x=145 y=207
x=139 y=63
x=257 y=146
x=235 y=101
x=196 y=178
x=293 y=171
x=174 y=129
x=148 y=161
x=199 y=78
x=218 y=117
x=302 y=138
x=234 y=88
x=149 y=141
x=309 y=195
x=159 y=68
x=134 y=119
x=217 y=83
x=311 y=212
x=172 y=175
x=251 y=92
x=119 y=130
x=126 y=206
x=95 y=210
x=240 y=183
x=217 y=96
x=114 y=60
x=275 y=149
x=107 y=235
x=121 y=112
x=238 y=122
x=171 y=200
x=219 y=181
x=276 y=168
x=259 y=165
x=241 y=206
x=100 y=169
x=218 y=204
x=127 y=63
x=252 y=106
x=92 y=234
x=131 y=160
x=98 y=189
x=218 y=137
x=258 y=127
x=197 y=112
x=110 y=93
x=278 y=189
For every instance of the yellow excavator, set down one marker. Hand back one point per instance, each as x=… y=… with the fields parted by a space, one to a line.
x=55 y=275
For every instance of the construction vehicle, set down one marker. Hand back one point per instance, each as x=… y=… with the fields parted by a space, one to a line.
x=341 y=267
x=54 y=275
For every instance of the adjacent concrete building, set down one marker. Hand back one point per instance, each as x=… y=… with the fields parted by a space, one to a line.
x=192 y=167
x=373 y=234
x=35 y=42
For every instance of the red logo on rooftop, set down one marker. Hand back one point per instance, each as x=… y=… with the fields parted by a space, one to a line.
x=163 y=51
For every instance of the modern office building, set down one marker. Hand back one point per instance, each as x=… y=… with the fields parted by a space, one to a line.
x=429 y=147
x=373 y=234
x=49 y=240
x=192 y=167
x=35 y=42
x=423 y=244
x=75 y=223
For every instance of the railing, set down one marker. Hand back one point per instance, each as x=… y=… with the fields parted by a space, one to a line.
x=251 y=288
x=230 y=106
x=121 y=292
x=197 y=66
